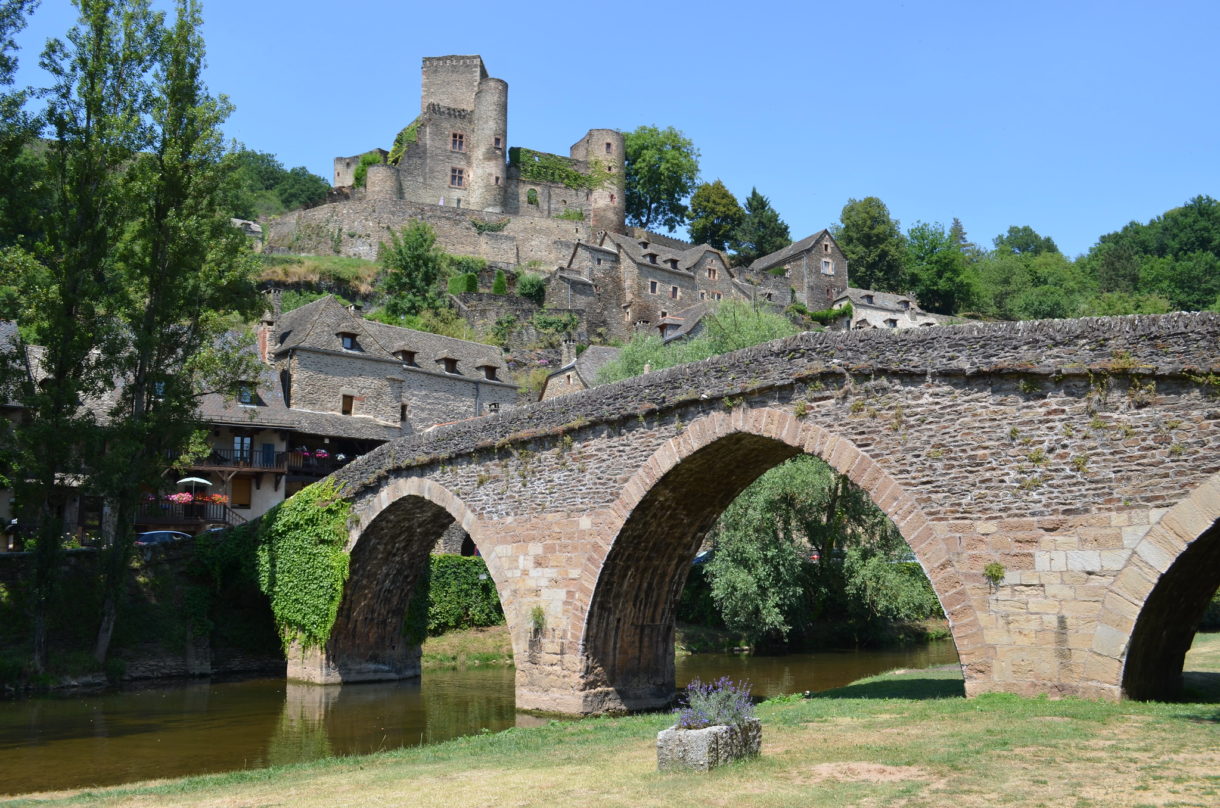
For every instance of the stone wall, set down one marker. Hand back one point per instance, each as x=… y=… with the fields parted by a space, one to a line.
x=358 y=227
x=1081 y=456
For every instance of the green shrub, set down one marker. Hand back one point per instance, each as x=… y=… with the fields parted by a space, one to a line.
x=571 y=215
x=466 y=282
x=532 y=287
x=500 y=285
x=360 y=175
x=459 y=594
x=531 y=197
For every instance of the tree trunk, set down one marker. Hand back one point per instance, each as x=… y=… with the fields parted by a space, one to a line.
x=39 y=659
x=105 y=630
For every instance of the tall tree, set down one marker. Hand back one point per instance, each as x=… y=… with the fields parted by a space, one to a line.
x=17 y=127
x=873 y=244
x=761 y=231
x=937 y=271
x=715 y=215
x=662 y=166
x=412 y=265
x=183 y=276
x=1024 y=240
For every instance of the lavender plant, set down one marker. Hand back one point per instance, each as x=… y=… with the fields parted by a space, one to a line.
x=710 y=705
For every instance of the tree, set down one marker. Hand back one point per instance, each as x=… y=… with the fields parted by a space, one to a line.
x=499 y=286
x=761 y=231
x=714 y=215
x=873 y=244
x=1024 y=240
x=265 y=188
x=957 y=232
x=662 y=166
x=412 y=265
x=18 y=175
x=937 y=271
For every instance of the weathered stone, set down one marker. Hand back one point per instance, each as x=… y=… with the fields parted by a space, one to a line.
x=705 y=749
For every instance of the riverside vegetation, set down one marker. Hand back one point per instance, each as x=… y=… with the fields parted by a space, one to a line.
x=907 y=737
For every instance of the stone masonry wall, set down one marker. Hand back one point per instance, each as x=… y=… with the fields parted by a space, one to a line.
x=1077 y=454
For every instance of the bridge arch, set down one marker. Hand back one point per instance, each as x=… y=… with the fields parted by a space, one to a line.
x=389 y=540
x=1151 y=612
x=670 y=503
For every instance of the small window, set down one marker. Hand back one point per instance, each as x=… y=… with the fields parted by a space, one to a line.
x=609 y=148
x=613 y=199
x=493 y=406
x=349 y=342
x=498 y=143
x=905 y=305
x=673 y=263
x=450 y=364
x=673 y=292
x=711 y=273
x=457 y=203
x=703 y=295
x=891 y=323
x=718 y=295
x=497 y=180
x=828 y=266
x=457 y=178
x=825 y=246
x=599 y=261
x=569 y=378
x=347 y=405
x=245 y=393
x=652 y=258
x=240 y=497
x=868 y=299
x=458 y=142
x=402 y=412
x=664 y=313
x=489 y=373
x=652 y=287
x=643 y=245
x=406 y=357
x=243 y=448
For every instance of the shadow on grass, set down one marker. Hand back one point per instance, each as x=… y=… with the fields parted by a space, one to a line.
x=1200 y=686
x=899 y=688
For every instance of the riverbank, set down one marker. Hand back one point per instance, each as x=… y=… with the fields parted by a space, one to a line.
x=906 y=736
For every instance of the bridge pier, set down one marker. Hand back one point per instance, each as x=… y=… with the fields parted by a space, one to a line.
x=315 y=665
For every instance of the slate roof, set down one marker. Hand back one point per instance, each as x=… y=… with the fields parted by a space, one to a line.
x=686 y=259
x=586 y=366
x=317 y=325
x=791 y=251
x=881 y=300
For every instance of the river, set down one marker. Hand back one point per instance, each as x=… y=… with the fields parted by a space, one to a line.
x=139 y=733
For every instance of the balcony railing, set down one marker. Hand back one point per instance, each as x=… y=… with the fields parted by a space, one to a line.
x=177 y=513
x=237 y=459
x=309 y=464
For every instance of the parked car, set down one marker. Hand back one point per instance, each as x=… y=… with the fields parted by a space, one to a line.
x=159 y=537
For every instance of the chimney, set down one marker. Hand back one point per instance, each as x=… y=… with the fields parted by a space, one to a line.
x=568 y=352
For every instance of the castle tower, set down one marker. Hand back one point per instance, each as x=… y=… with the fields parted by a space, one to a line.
x=451 y=81
x=608 y=202
x=489 y=178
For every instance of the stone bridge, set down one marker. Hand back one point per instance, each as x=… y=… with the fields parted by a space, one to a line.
x=1081 y=455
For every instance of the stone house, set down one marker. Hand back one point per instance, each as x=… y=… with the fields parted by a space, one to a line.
x=812 y=272
x=332 y=386
x=871 y=309
x=577 y=373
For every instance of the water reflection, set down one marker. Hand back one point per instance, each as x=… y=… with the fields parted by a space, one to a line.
x=199 y=727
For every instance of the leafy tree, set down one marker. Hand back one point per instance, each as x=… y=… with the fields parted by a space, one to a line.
x=412 y=267
x=714 y=215
x=873 y=244
x=299 y=187
x=761 y=231
x=19 y=177
x=937 y=270
x=1024 y=241
x=499 y=286
x=661 y=166
x=265 y=188
x=1109 y=304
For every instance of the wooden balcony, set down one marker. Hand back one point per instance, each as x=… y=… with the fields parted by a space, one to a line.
x=229 y=460
x=192 y=513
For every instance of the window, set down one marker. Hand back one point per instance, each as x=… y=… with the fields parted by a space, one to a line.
x=905 y=305
x=613 y=199
x=569 y=379
x=489 y=373
x=347 y=405
x=493 y=407
x=498 y=143
x=673 y=292
x=450 y=364
x=457 y=203
x=242 y=448
x=652 y=258
x=286 y=387
x=652 y=287
x=457 y=178
x=711 y=273
x=703 y=295
x=718 y=295
x=458 y=142
x=825 y=246
x=497 y=180
x=402 y=412
x=673 y=263
x=891 y=323
x=643 y=245
x=868 y=299
x=828 y=266
x=407 y=357
x=609 y=148
x=240 y=497
x=349 y=342
x=245 y=394
x=664 y=313
x=599 y=261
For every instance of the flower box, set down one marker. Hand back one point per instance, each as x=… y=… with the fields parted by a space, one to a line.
x=705 y=749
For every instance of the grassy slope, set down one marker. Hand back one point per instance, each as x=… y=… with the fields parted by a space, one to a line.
x=905 y=738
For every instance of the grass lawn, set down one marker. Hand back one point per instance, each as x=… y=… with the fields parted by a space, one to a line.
x=905 y=738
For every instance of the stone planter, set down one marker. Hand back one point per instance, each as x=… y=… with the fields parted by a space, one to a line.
x=705 y=749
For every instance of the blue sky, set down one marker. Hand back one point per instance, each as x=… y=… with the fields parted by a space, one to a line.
x=1071 y=117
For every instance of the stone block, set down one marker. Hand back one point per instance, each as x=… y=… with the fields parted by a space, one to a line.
x=705 y=749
